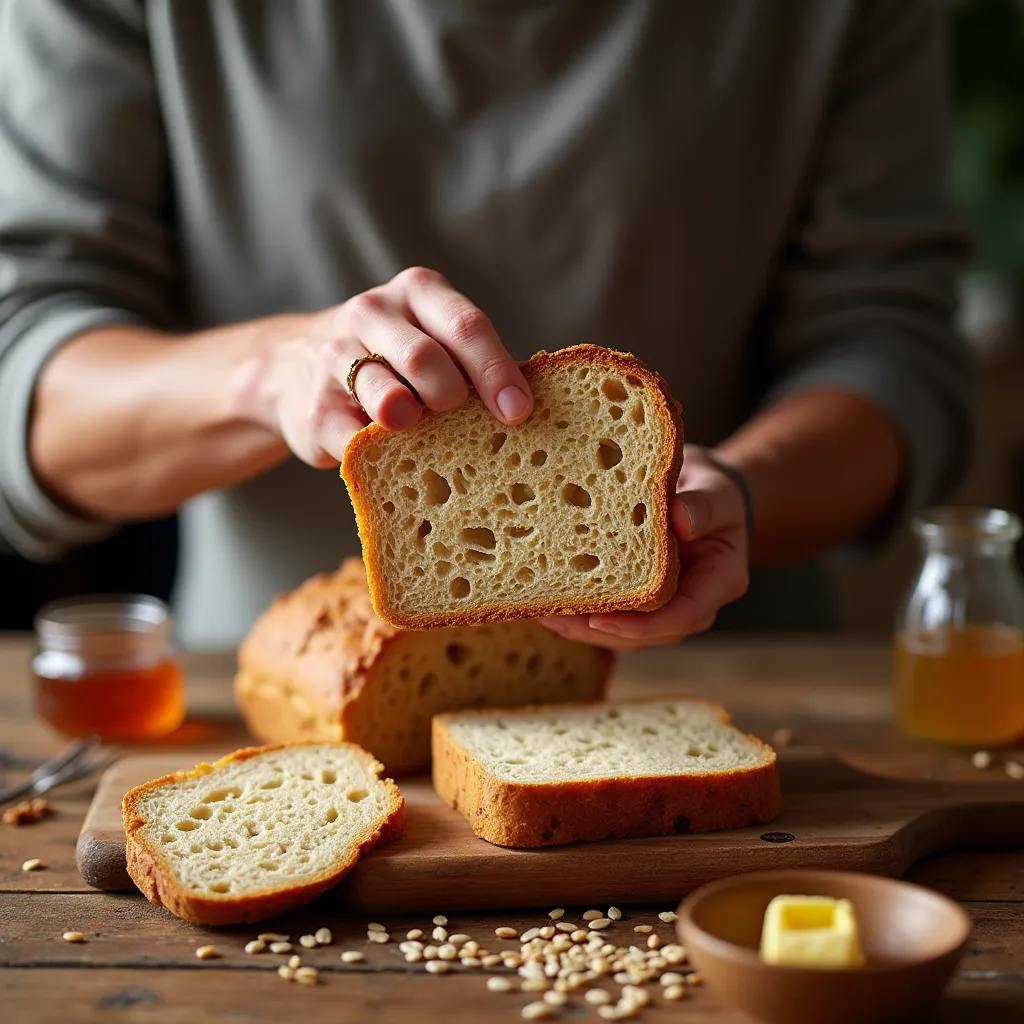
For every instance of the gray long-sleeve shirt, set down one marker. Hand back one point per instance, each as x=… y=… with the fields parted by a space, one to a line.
x=749 y=196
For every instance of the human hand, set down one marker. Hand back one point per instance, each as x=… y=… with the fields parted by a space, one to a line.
x=708 y=517
x=432 y=338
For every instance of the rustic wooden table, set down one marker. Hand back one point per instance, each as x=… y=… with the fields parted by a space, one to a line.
x=139 y=964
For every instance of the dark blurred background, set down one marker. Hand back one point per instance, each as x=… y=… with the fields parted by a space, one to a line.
x=987 y=180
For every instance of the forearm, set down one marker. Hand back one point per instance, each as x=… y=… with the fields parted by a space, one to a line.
x=822 y=467
x=128 y=422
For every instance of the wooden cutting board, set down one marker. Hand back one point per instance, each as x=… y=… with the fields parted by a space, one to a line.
x=834 y=817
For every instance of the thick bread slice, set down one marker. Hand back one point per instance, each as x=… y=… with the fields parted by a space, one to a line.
x=465 y=521
x=579 y=773
x=319 y=664
x=260 y=831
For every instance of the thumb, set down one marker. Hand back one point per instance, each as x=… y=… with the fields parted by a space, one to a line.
x=693 y=515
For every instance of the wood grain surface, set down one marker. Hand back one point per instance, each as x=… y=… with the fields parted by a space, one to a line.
x=834 y=817
x=138 y=962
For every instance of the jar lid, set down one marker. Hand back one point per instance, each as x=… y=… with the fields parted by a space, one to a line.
x=105 y=626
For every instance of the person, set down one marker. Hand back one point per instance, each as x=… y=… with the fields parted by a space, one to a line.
x=209 y=211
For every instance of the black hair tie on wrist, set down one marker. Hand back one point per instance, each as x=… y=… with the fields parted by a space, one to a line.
x=737 y=477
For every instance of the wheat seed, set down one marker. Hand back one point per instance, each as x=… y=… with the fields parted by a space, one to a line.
x=272 y=937
x=352 y=956
x=537 y=1011
x=674 y=992
x=256 y=946
x=286 y=972
x=375 y=926
x=441 y=920
x=643 y=928
x=438 y=966
x=323 y=936
x=32 y=864
x=280 y=947
x=668 y=916
x=295 y=962
x=308 y=942
x=205 y=952
x=73 y=937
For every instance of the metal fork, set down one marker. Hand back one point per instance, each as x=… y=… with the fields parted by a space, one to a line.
x=70 y=765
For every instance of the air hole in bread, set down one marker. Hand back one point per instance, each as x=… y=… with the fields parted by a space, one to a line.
x=533 y=663
x=594 y=407
x=307 y=776
x=522 y=493
x=196 y=848
x=641 y=473
x=497 y=440
x=456 y=653
x=639 y=514
x=355 y=795
x=411 y=493
x=443 y=568
x=271 y=784
x=538 y=458
x=620 y=476
x=371 y=453
x=168 y=838
x=561 y=424
x=542 y=561
x=417 y=570
x=582 y=528
x=216 y=845
x=187 y=826
x=232 y=842
x=460 y=482
x=389 y=506
x=649 y=731
x=584 y=563
x=438 y=489
x=591 y=480
x=480 y=557
x=609 y=454
x=328 y=776
x=616 y=414
x=573 y=494
x=479 y=537
x=441 y=549
x=459 y=587
x=524 y=574
x=427 y=683
x=513 y=461
x=637 y=414
x=613 y=390
x=518 y=532
x=514 y=760
x=202 y=812
x=406 y=466
x=331 y=815
x=470 y=470
x=511 y=659
x=216 y=795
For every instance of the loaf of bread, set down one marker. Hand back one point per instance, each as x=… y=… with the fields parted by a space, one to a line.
x=260 y=832
x=464 y=520
x=579 y=773
x=320 y=665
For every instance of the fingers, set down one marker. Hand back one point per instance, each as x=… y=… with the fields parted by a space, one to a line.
x=715 y=575
x=470 y=341
x=384 y=398
x=382 y=327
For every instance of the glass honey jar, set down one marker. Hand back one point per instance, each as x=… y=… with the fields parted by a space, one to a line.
x=105 y=666
x=959 y=644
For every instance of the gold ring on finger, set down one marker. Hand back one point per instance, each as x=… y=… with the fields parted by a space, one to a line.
x=350 y=379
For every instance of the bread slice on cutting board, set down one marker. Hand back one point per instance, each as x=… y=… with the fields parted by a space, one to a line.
x=464 y=520
x=320 y=665
x=584 y=772
x=259 y=832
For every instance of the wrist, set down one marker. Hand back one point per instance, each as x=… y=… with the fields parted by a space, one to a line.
x=736 y=477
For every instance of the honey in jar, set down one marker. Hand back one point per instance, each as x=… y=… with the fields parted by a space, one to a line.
x=959 y=645
x=105 y=667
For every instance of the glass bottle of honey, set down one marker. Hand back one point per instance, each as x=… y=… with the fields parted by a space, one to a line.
x=105 y=666
x=959 y=645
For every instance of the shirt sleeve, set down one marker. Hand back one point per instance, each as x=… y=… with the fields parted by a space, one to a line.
x=864 y=295
x=85 y=232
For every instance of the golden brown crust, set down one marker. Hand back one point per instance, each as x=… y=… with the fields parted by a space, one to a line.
x=665 y=577
x=156 y=880
x=309 y=663
x=549 y=814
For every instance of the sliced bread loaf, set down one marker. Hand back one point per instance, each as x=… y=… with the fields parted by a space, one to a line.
x=258 y=832
x=572 y=773
x=320 y=665
x=465 y=521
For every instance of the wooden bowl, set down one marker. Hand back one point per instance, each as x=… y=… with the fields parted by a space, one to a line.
x=912 y=938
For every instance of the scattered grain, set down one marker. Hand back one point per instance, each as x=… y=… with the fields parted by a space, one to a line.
x=414 y=933
x=440 y=920
x=323 y=936
x=472 y=962
x=256 y=946
x=599 y=923
x=505 y=932
x=375 y=926
x=529 y=935
x=73 y=937
x=643 y=928
x=307 y=975
x=32 y=864
x=295 y=962
x=674 y=992
x=668 y=916
x=438 y=966
x=597 y=996
x=491 y=960
x=592 y=915
x=981 y=759
x=308 y=942
x=206 y=952
x=537 y=1011
x=352 y=956
x=534 y=985
x=378 y=937
x=273 y=937
x=614 y=914
x=447 y=952
x=1015 y=769
x=286 y=972
x=653 y=942
x=280 y=947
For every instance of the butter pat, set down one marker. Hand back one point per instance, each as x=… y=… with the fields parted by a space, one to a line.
x=811 y=931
